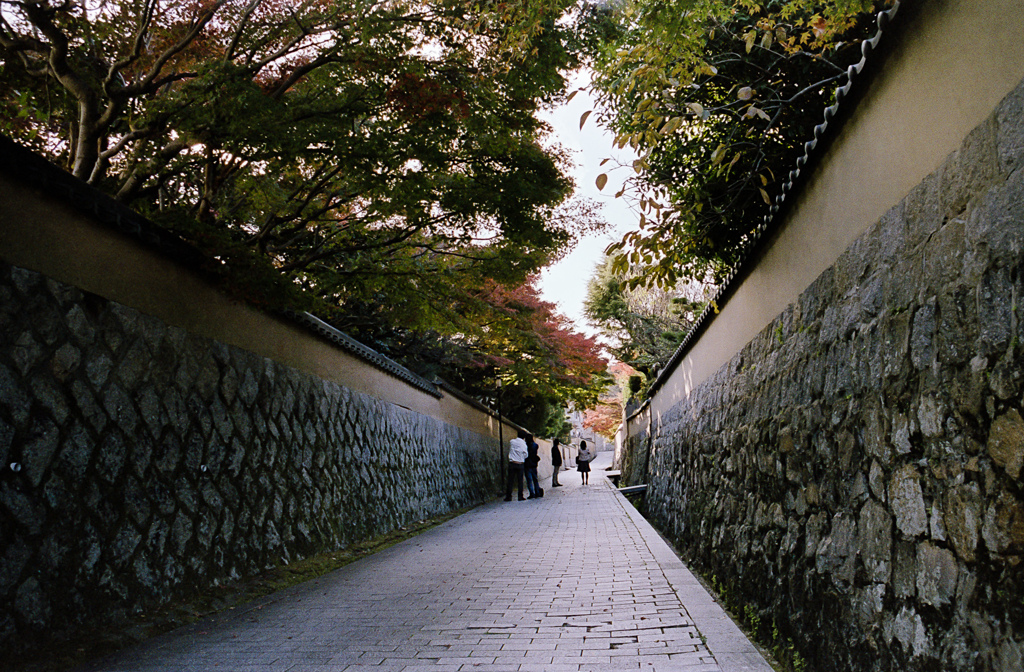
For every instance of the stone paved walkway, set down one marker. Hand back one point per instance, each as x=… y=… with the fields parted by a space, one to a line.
x=576 y=581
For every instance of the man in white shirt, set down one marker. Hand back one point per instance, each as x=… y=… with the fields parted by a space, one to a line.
x=516 y=458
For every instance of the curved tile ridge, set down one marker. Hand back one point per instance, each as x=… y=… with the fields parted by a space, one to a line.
x=882 y=21
x=363 y=352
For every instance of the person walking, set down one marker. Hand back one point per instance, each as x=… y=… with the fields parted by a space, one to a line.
x=530 y=468
x=516 y=458
x=556 y=463
x=583 y=462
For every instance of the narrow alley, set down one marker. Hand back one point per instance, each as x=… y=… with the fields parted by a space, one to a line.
x=576 y=581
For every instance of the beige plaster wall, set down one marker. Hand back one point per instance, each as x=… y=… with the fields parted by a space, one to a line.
x=954 y=61
x=44 y=235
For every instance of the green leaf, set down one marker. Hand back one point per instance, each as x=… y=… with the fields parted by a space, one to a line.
x=672 y=125
x=718 y=155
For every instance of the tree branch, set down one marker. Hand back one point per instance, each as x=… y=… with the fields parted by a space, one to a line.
x=146 y=85
x=229 y=53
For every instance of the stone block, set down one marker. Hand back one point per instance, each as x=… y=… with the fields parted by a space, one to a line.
x=906 y=501
x=971 y=169
x=876 y=444
x=120 y=409
x=837 y=553
x=923 y=211
x=39 y=448
x=1006 y=442
x=996 y=222
x=995 y=310
x=937 y=574
x=26 y=353
x=962 y=514
x=98 y=366
x=181 y=534
x=156 y=537
x=870 y=604
x=1003 y=529
x=907 y=628
x=136 y=502
x=32 y=604
x=65 y=361
x=47 y=321
x=81 y=328
x=922 y=336
x=875 y=542
x=134 y=365
x=902 y=428
x=936 y=524
x=110 y=456
x=943 y=255
x=931 y=416
x=877 y=480
x=1010 y=131
x=1009 y=656
x=957 y=327
x=14 y=558
x=6 y=440
x=14 y=396
x=152 y=412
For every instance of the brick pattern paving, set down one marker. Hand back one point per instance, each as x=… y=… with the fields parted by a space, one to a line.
x=566 y=583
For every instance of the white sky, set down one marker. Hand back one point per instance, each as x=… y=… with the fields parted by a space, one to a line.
x=565 y=283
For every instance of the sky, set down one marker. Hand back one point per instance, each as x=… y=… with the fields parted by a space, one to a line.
x=565 y=283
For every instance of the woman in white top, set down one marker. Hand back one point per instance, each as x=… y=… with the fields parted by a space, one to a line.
x=583 y=462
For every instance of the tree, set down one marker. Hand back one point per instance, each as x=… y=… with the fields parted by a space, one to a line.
x=544 y=365
x=606 y=417
x=717 y=98
x=645 y=324
x=349 y=150
x=509 y=337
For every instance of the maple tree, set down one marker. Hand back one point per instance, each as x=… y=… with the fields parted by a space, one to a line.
x=317 y=151
x=607 y=415
x=508 y=338
x=542 y=361
x=603 y=419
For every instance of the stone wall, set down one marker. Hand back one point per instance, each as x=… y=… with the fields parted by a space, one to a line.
x=139 y=462
x=853 y=475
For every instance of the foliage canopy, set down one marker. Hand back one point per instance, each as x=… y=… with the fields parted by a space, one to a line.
x=716 y=98
x=515 y=343
x=344 y=147
x=645 y=324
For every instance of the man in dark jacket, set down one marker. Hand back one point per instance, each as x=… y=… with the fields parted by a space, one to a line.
x=556 y=463
x=532 y=462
